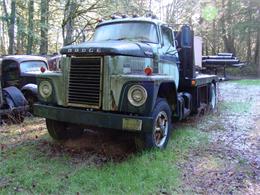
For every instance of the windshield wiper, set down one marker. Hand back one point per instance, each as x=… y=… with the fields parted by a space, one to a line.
x=119 y=39
x=143 y=41
x=130 y=39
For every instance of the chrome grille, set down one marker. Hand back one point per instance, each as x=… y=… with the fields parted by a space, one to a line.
x=85 y=82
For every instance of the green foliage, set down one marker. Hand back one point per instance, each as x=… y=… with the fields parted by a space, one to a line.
x=236 y=107
x=209 y=13
x=248 y=82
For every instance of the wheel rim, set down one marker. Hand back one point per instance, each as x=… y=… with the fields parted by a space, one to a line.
x=160 y=129
x=213 y=97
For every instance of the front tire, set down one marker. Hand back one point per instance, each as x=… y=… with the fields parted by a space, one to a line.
x=158 y=137
x=61 y=131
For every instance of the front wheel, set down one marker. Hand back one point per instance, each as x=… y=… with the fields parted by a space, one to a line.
x=158 y=137
x=61 y=131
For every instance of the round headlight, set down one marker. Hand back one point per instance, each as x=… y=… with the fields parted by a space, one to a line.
x=137 y=95
x=45 y=89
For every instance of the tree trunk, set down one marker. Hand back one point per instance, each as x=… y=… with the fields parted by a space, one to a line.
x=257 y=52
x=11 y=27
x=68 y=23
x=30 y=26
x=44 y=26
x=19 y=37
x=213 y=49
x=227 y=33
x=206 y=47
x=248 y=57
x=2 y=37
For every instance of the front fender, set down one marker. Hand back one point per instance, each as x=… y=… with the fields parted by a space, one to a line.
x=145 y=110
x=165 y=89
x=30 y=87
x=14 y=97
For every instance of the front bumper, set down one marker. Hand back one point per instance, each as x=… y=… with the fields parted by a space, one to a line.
x=94 y=118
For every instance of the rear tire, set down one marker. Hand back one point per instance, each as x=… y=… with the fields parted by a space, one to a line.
x=157 y=137
x=213 y=98
x=61 y=131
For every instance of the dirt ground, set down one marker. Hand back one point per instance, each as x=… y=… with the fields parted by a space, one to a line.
x=231 y=162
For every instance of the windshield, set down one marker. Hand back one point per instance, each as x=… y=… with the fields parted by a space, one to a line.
x=32 y=66
x=141 y=31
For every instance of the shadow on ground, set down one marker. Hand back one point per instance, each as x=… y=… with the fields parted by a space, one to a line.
x=95 y=147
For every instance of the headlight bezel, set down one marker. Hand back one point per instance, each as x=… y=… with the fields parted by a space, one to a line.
x=45 y=85
x=131 y=92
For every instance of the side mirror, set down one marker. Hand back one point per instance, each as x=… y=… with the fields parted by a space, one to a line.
x=186 y=37
x=176 y=43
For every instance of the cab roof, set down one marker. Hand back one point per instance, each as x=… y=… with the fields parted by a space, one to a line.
x=134 y=19
x=22 y=58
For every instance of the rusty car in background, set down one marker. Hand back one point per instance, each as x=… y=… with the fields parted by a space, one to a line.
x=13 y=105
x=21 y=71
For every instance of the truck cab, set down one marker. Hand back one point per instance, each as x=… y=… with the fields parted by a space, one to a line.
x=13 y=105
x=135 y=75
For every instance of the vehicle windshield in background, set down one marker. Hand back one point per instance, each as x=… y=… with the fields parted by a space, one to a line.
x=141 y=31
x=32 y=66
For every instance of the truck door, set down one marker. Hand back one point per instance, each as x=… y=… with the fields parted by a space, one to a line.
x=169 y=55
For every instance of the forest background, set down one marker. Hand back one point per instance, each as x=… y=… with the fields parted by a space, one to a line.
x=42 y=27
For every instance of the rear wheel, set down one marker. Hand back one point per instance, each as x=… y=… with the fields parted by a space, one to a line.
x=158 y=137
x=213 y=97
x=61 y=131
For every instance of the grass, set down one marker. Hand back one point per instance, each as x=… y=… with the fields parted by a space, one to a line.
x=247 y=82
x=235 y=107
x=28 y=170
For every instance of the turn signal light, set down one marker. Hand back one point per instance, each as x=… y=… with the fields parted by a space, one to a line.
x=148 y=71
x=43 y=69
x=193 y=83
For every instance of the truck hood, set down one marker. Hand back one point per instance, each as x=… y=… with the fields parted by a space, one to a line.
x=128 y=48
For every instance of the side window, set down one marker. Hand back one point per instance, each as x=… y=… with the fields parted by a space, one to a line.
x=10 y=71
x=167 y=37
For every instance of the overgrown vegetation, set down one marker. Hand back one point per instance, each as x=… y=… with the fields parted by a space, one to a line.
x=28 y=169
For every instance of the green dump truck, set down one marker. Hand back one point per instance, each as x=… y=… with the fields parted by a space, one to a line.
x=137 y=74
